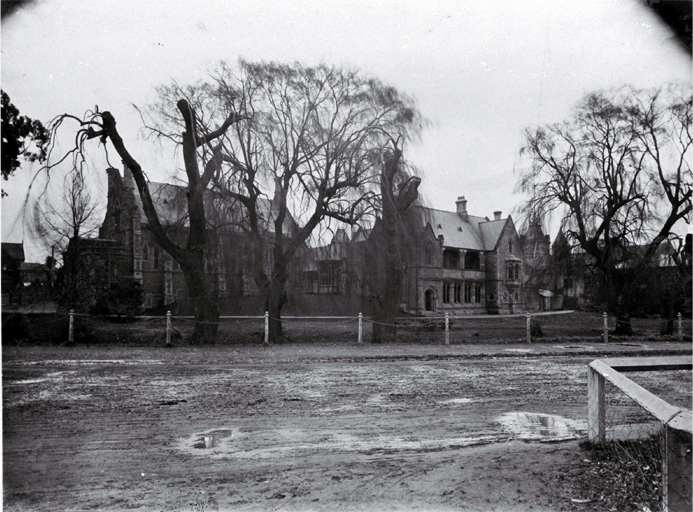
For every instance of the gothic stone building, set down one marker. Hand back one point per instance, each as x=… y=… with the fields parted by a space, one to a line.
x=460 y=264
x=126 y=246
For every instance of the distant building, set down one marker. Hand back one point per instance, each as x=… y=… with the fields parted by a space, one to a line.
x=12 y=278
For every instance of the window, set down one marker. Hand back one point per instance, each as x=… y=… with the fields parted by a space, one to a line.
x=451 y=258
x=468 y=293
x=477 y=293
x=429 y=254
x=329 y=275
x=458 y=293
x=517 y=272
x=145 y=252
x=472 y=261
x=511 y=273
x=156 y=257
x=446 y=292
x=510 y=246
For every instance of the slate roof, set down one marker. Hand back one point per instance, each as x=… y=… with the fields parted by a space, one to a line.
x=475 y=233
x=170 y=202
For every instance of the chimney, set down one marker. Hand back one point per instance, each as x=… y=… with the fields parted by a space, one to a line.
x=462 y=207
x=497 y=215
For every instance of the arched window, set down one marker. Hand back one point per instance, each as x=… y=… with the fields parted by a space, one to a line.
x=429 y=300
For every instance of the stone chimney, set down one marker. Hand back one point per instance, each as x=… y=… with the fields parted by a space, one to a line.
x=462 y=207
x=497 y=215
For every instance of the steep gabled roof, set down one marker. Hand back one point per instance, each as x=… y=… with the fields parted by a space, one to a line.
x=457 y=232
x=170 y=202
x=491 y=232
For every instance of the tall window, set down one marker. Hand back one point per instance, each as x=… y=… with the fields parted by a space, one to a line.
x=446 y=292
x=145 y=252
x=468 y=290
x=477 y=293
x=429 y=254
x=458 y=293
x=156 y=257
x=510 y=246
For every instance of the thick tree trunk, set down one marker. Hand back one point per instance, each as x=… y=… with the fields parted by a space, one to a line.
x=205 y=303
x=275 y=301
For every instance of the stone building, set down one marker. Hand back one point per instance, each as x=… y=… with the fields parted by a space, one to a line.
x=464 y=264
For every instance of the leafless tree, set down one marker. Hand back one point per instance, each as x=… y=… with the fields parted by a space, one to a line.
x=311 y=139
x=196 y=141
x=618 y=174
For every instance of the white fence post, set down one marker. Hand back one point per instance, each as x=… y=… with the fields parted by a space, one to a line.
x=71 y=330
x=596 y=408
x=360 y=327
x=168 y=327
x=680 y=327
x=266 y=327
x=447 y=328
x=529 y=327
x=606 y=328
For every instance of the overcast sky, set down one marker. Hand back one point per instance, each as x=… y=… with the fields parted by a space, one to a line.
x=481 y=71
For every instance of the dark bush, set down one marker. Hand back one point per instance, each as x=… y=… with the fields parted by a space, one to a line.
x=535 y=328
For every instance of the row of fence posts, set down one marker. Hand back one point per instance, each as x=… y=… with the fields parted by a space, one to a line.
x=71 y=334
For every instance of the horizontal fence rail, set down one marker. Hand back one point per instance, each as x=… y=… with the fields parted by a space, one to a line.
x=631 y=438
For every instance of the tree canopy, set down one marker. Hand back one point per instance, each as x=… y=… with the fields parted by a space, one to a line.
x=22 y=137
x=618 y=175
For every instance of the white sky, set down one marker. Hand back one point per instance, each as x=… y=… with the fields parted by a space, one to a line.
x=481 y=71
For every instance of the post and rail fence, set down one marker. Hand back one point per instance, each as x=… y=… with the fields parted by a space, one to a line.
x=650 y=436
x=403 y=323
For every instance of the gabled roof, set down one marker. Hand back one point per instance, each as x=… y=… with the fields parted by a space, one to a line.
x=473 y=233
x=170 y=202
x=491 y=231
x=457 y=232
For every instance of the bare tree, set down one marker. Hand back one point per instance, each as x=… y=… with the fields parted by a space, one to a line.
x=72 y=214
x=310 y=138
x=197 y=143
x=618 y=174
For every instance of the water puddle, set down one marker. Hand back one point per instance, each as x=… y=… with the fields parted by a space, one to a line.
x=519 y=350
x=542 y=427
x=212 y=438
x=455 y=401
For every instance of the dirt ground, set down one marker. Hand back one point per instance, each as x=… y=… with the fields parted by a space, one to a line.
x=302 y=427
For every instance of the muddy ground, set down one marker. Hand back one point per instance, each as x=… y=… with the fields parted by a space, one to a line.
x=304 y=427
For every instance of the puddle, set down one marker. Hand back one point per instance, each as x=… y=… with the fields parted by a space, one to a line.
x=223 y=443
x=542 y=427
x=212 y=438
x=520 y=350
x=454 y=401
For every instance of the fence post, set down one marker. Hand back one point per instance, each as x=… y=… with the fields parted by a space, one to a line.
x=447 y=328
x=596 y=409
x=168 y=328
x=529 y=327
x=360 y=327
x=680 y=327
x=606 y=328
x=266 y=327
x=71 y=331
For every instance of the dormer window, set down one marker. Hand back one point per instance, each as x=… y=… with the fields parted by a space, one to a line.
x=459 y=228
x=440 y=227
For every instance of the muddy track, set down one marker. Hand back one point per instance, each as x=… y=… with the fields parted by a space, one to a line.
x=193 y=430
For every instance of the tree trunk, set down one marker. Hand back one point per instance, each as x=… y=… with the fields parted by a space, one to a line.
x=205 y=304
x=275 y=301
